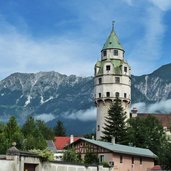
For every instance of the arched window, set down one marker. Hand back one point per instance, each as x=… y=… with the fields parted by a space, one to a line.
x=100 y=80
x=117 y=94
x=104 y=53
x=107 y=67
x=115 y=52
x=107 y=94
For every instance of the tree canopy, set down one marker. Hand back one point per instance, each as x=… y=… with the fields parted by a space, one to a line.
x=59 y=129
x=146 y=133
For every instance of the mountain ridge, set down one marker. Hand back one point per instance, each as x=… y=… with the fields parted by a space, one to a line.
x=23 y=94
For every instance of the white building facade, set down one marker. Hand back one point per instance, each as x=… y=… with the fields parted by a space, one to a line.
x=112 y=78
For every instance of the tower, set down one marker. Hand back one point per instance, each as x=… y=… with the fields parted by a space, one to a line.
x=112 y=78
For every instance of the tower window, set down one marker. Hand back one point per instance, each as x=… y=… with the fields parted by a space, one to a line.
x=104 y=53
x=107 y=94
x=117 y=94
x=125 y=95
x=140 y=160
x=107 y=67
x=98 y=127
x=125 y=69
x=100 y=80
x=100 y=95
x=117 y=79
x=115 y=52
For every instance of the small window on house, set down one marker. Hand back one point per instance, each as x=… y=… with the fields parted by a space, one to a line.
x=132 y=160
x=117 y=94
x=98 y=127
x=100 y=80
x=125 y=95
x=140 y=160
x=115 y=52
x=104 y=53
x=107 y=67
x=107 y=94
x=101 y=158
x=100 y=95
x=117 y=79
x=125 y=69
x=121 y=159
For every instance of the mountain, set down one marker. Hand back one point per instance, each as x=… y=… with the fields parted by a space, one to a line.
x=153 y=87
x=56 y=96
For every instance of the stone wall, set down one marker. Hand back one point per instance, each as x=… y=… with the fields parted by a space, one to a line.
x=16 y=164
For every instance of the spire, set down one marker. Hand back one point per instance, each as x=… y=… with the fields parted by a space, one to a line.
x=112 y=41
x=113 y=22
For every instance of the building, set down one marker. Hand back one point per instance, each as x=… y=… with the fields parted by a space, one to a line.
x=120 y=157
x=60 y=143
x=112 y=78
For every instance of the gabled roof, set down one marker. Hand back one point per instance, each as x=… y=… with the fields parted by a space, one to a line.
x=112 y=42
x=117 y=63
x=51 y=145
x=61 y=142
x=123 y=149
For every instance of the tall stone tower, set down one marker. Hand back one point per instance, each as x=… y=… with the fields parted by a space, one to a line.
x=112 y=79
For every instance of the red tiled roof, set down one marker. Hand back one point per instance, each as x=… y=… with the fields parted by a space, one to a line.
x=164 y=118
x=61 y=142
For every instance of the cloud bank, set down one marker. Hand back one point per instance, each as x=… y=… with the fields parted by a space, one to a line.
x=159 y=107
x=88 y=115
x=45 y=117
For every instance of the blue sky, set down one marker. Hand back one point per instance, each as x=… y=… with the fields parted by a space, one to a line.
x=67 y=36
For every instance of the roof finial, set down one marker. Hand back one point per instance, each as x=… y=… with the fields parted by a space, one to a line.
x=113 y=22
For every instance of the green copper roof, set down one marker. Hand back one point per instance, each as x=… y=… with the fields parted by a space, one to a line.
x=123 y=149
x=112 y=42
x=115 y=62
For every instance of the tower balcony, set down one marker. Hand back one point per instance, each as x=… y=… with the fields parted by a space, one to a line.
x=111 y=99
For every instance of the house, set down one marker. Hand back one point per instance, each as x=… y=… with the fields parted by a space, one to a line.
x=60 y=143
x=121 y=157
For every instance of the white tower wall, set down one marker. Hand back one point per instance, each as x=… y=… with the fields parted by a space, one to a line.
x=112 y=79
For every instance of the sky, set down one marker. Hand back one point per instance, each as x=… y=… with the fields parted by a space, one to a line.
x=67 y=36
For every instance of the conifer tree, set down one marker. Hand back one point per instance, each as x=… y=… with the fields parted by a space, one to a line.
x=59 y=129
x=115 y=123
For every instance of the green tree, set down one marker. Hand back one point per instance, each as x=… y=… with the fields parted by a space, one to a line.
x=164 y=156
x=59 y=129
x=146 y=133
x=115 y=123
x=46 y=131
x=3 y=140
x=12 y=133
x=33 y=138
x=71 y=156
x=91 y=158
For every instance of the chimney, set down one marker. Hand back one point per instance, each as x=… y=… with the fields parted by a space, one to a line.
x=134 y=112
x=113 y=140
x=92 y=137
x=71 y=139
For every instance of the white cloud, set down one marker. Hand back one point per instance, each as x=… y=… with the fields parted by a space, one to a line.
x=162 y=4
x=45 y=117
x=159 y=107
x=88 y=115
x=149 y=47
x=23 y=54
